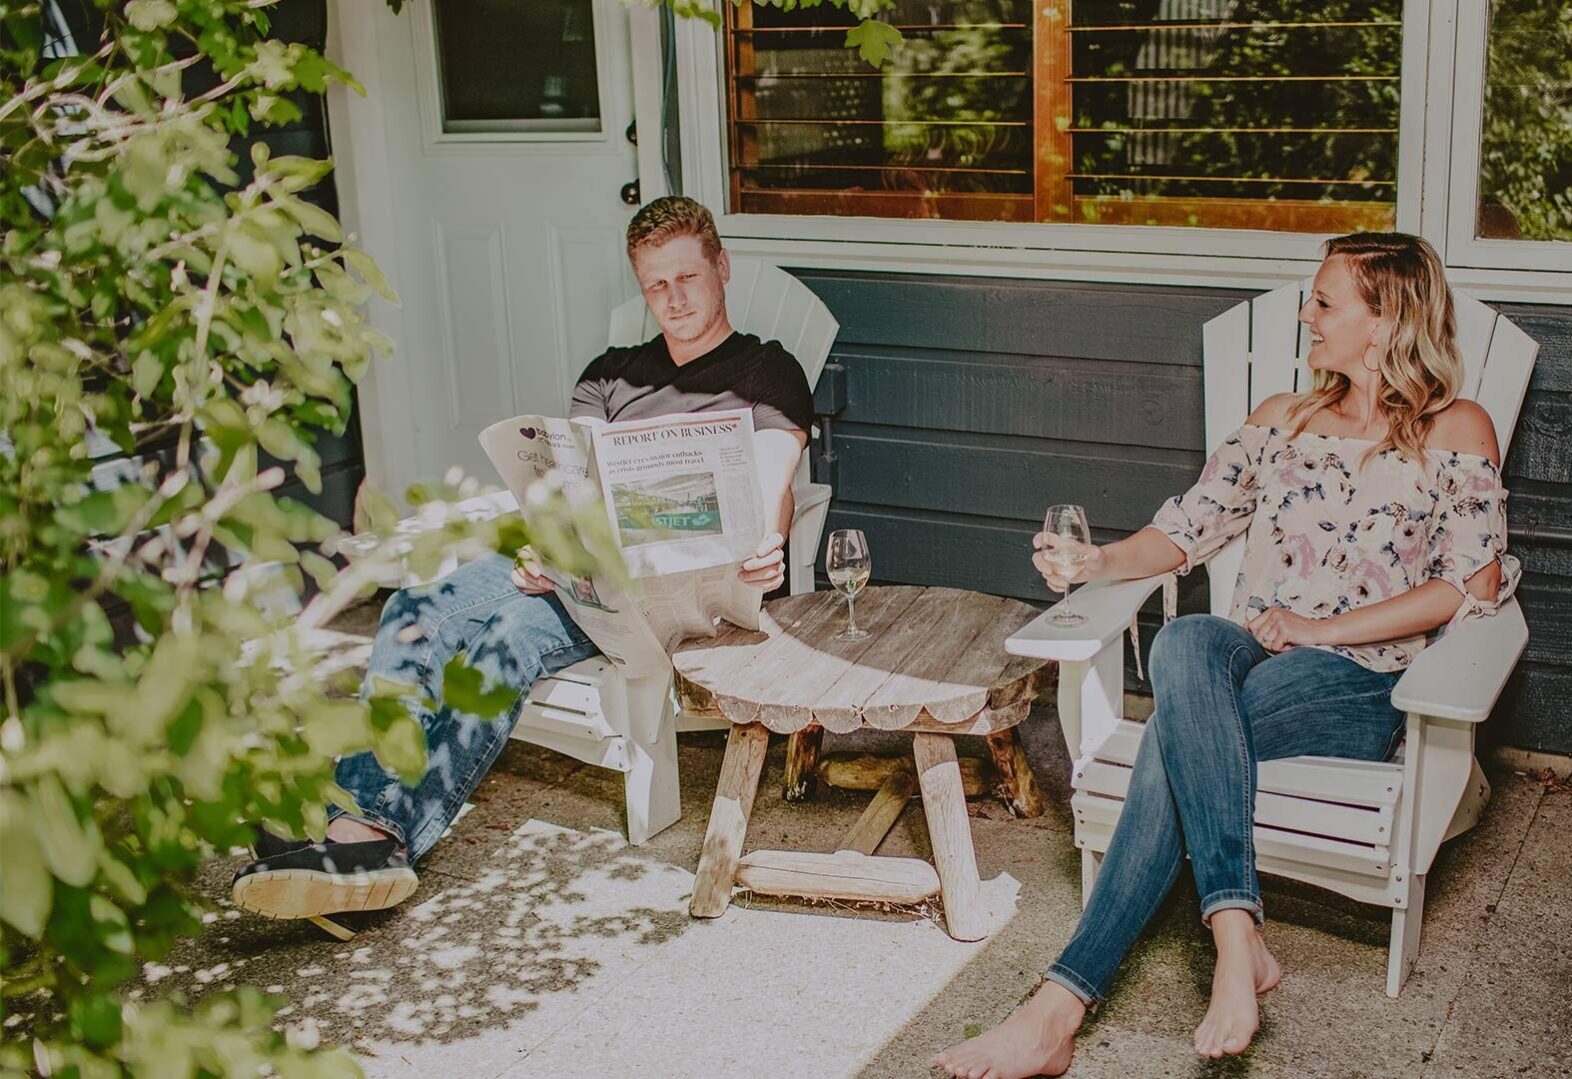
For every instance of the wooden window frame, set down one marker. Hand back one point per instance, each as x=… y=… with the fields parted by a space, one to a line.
x=1150 y=254
x=1467 y=106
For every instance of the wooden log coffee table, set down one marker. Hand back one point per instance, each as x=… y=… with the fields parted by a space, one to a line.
x=934 y=664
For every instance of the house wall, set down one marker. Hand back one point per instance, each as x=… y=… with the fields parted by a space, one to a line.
x=966 y=406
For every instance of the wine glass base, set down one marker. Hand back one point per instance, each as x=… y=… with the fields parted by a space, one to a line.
x=853 y=635
x=1066 y=618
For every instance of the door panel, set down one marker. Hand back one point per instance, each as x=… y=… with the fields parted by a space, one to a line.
x=503 y=224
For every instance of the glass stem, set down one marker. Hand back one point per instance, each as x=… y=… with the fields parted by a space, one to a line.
x=851 y=614
x=1067 y=609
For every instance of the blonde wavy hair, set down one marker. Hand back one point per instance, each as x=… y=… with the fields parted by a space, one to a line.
x=1400 y=278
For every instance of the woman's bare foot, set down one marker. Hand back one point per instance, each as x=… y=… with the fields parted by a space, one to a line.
x=1037 y=1039
x=1245 y=971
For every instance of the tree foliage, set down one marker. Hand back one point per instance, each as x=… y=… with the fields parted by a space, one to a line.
x=210 y=328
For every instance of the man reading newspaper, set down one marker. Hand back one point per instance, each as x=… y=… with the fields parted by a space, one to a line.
x=504 y=616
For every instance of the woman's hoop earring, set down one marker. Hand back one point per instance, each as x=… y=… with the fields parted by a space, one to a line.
x=1372 y=370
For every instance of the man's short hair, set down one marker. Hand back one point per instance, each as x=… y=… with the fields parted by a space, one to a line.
x=667 y=218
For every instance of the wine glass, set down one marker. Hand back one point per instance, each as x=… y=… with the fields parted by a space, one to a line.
x=1068 y=522
x=849 y=566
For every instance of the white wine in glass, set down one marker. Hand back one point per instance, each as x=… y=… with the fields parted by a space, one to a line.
x=849 y=565
x=1069 y=523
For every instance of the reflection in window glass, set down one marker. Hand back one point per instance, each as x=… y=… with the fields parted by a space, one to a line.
x=510 y=66
x=1278 y=114
x=1525 y=166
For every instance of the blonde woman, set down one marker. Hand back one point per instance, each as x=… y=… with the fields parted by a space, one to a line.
x=1374 y=513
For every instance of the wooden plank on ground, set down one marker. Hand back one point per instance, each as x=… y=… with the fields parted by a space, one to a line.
x=867 y=772
x=845 y=875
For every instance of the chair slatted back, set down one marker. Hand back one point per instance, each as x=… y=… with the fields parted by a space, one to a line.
x=760 y=299
x=1257 y=349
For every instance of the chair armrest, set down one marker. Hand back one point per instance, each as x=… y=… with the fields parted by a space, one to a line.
x=1108 y=606
x=1461 y=675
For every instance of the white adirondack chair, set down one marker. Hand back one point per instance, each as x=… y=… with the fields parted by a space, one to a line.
x=589 y=711
x=1366 y=829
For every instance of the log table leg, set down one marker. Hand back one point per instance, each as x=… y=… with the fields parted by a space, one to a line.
x=950 y=832
x=802 y=762
x=1017 y=784
x=739 y=782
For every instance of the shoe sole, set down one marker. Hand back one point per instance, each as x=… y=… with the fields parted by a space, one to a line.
x=311 y=893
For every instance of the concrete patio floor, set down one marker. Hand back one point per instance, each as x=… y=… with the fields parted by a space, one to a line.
x=540 y=943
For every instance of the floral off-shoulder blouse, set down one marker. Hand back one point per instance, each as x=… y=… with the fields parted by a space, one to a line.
x=1328 y=532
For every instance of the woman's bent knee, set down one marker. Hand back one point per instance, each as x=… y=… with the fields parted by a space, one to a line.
x=1191 y=637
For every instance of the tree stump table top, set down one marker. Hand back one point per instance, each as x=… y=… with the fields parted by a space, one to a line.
x=934 y=660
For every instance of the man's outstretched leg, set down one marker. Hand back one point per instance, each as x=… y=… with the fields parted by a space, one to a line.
x=366 y=863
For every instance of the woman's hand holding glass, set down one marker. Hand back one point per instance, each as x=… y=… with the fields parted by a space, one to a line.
x=1055 y=555
x=1064 y=547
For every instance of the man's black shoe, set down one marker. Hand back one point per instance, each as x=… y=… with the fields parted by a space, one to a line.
x=264 y=844
x=326 y=878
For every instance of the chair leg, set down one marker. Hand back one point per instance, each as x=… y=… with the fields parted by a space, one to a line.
x=654 y=790
x=1404 y=948
x=1091 y=863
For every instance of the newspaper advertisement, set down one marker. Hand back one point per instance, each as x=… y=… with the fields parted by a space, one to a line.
x=682 y=497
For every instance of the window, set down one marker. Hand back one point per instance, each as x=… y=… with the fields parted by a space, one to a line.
x=485 y=87
x=1525 y=152
x=1259 y=114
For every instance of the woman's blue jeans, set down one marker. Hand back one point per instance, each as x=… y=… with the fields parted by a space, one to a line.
x=510 y=637
x=1223 y=704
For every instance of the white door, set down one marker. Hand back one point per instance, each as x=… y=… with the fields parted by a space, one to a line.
x=484 y=170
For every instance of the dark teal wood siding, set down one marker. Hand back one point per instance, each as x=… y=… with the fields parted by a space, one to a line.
x=966 y=406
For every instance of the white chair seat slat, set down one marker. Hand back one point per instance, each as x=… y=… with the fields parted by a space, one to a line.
x=568 y=723
x=1367 y=784
x=1276 y=849
x=1313 y=816
x=566 y=692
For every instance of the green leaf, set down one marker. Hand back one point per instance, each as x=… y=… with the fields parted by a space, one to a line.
x=364 y=265
x=374 y=511
x=146 y=371
x=95 y=1020
x=402 y=749
x=334 y=728
x=873 y=40
x=148 y=15
x=70 y=845
x=26 y=887
x=315 y=220
x=464 y=688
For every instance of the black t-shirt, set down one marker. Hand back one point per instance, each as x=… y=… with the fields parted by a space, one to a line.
x=642 y=382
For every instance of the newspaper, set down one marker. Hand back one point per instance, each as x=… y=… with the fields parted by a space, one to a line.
x=682 y=498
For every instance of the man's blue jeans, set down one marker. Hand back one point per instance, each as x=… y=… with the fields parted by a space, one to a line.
x=1223 y=704
x=510 y=637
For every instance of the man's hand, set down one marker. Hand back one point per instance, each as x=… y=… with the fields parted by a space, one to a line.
x=767 y=568
x=1060 y=577
x=527 y=575
x=1279 y=630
